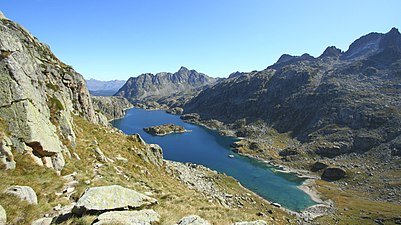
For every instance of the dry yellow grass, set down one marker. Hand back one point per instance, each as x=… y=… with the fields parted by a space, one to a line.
x=175 y=199
x=355 y=208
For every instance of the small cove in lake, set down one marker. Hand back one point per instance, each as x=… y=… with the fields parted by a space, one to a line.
x=206 y=147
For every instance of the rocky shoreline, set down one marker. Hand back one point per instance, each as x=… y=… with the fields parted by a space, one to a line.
x=308 y=186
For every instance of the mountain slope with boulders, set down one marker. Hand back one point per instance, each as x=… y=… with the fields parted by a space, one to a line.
x=166 y=88
x=61 y=164
x=339 y=102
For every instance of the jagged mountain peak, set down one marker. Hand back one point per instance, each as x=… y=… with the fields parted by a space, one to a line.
x=331 y=51
x=373 y=43
x=183 y=69
x=391 y=39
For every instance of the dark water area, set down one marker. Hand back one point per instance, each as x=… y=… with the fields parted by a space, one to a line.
x=206 y=147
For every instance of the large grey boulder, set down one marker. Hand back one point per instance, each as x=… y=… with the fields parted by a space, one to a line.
x=43 y=221
x=3 y=216
x=108 y=198
x=257 y=222
x=24 y=193
x=192 y=220
x=142 y=217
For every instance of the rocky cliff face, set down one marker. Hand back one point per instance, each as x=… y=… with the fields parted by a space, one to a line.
x=113 y=107
x=39 y=94
x=340 y=102
x=162 y=86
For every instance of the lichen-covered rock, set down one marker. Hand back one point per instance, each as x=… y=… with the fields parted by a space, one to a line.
x=257 y=222
x=3 y=216
x=107 y=198
x=152 y=153
x=24 y=193
x=6 y=156
x=38 y=94
x=142 y=217
x=333 y=174
x=192 y=220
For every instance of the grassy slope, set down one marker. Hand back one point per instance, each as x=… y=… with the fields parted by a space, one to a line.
x=175 y=199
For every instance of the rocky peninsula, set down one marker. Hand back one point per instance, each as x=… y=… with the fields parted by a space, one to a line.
x=165 y=129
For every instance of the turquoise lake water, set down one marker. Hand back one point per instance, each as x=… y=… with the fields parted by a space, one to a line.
x=208 y=148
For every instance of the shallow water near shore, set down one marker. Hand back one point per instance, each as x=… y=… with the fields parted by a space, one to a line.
x=206 y=147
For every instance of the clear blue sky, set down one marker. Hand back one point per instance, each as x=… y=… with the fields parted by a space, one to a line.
x=106 y=39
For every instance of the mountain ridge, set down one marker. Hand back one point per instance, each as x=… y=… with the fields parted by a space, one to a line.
x=299 y=94
x=155 y=87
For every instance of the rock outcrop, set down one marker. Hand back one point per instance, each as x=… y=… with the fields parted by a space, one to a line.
x=108 y=198
x=165 y=129
x=6 y=156
x=192 y=220
x=43 y=221
x=153 y=153
x=113 y=107
x=317 y=166
x=142 y=217
x=24 y=193
x=332 y=174
x=3 y=216
x=339 y=103
x=39 y=96
x=168 y=88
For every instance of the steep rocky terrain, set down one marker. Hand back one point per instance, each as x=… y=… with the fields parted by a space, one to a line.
x=168 y=88
x=39 y=94
x=97 y=174
x=113 y=107
x=104 y=88
x=337 y=116
x=341 y=102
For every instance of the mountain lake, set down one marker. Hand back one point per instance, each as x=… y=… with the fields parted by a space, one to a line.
x=206 y=147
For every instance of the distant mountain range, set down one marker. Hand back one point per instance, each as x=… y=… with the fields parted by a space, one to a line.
x=104 y=88
x=165 y=86
x=339 y=102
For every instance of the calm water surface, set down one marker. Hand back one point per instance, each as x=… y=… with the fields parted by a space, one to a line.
x=207 y=147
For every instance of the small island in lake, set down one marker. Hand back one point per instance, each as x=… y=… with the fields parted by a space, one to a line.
x=165 y=129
